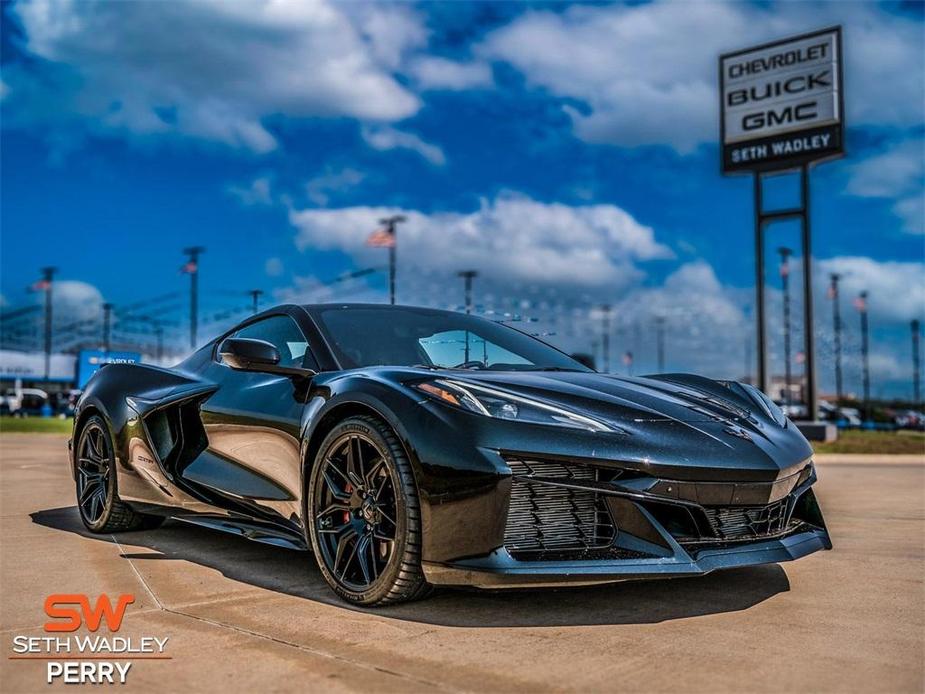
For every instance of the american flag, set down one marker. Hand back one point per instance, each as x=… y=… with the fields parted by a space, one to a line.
x=381 y=238
x=189 y=268
x=40 y=286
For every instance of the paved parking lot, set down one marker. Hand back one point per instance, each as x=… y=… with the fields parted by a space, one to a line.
x=246 y=617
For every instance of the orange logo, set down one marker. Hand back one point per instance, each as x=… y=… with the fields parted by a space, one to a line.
x=59 y=607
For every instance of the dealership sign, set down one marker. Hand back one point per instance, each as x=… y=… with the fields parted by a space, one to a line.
x=782 y=103
x=30 y=366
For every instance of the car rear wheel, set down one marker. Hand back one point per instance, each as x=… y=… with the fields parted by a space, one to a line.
x=98 y=501
x=363 y=515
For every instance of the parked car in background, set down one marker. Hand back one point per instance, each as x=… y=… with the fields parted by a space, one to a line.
x=794 y=411
x=66 y=402
x=23 y=402
x=910 y=419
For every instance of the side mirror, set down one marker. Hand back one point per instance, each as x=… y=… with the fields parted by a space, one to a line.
x=246 y=354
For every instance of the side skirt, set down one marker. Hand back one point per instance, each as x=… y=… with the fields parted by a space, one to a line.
x=251 y=531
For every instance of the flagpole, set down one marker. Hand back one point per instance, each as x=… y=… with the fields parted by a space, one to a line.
x=916 y=368
x=836 y=318
x=392 y=273
x=391 y=224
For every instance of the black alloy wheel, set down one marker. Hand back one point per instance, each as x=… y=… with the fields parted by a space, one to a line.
x=364 y=517
x=98 y=501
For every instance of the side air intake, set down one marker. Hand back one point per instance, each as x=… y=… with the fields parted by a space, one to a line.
x=545 y=518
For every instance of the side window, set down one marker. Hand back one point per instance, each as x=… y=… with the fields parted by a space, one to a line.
x=283 y=333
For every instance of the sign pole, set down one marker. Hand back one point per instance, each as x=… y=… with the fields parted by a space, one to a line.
x=809 y=337
x=762 y=343
x=785 y=254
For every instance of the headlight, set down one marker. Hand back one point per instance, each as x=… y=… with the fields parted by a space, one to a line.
x=487 y=401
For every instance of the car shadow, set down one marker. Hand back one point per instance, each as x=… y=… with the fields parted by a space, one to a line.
x=295 y=573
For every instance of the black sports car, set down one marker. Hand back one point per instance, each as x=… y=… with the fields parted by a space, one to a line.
x=410 y=447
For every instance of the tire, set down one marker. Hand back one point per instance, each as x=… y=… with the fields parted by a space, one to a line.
x=101 y=510
x=364 y=518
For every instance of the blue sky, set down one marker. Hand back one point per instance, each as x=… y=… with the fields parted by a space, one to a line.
x=568 y=152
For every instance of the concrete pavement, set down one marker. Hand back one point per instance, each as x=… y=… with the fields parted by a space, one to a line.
x=243 y=617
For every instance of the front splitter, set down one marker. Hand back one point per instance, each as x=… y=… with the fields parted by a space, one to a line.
x=500 y=570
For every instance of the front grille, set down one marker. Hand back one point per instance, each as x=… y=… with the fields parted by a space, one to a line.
x=741 y=522
x=544 y=518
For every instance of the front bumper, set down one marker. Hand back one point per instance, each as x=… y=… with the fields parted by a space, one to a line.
x=501 y=570
x=581 y=524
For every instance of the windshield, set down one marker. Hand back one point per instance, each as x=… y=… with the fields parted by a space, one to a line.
x=393 y=336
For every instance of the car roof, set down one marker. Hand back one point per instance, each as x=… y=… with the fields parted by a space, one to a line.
x=317 y=308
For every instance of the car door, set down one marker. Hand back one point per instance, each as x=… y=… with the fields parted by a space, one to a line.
x=252 y=423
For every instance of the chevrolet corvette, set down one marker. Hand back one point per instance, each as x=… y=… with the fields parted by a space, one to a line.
x=410 y=447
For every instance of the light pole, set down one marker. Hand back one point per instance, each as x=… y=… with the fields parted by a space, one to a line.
x=255 y=297
x=660 y=342
x=836 y=317
x=605 y=336
x=468 y=276
x=192 y=269
x=159 y=334
x=48 y=274
x=916 y=362
x=107 y=326
x=861 y=304
x=748 y=347
x=785 y=254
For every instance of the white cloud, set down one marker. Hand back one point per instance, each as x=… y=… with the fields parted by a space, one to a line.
x=220 y=68
x=912 y=211
x=257 y=192
x=73 y=302
x=391 y=31
x=510 y=239
x=433 y=72
x=332 y=181
x=896 y=289
x=385 y=138
x=900 y=169
x=897 y=173
x=647 y=72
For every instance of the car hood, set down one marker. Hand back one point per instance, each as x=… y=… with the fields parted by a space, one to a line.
x=688 y=426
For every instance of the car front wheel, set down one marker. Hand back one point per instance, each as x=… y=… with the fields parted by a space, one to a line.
x=363 y=515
